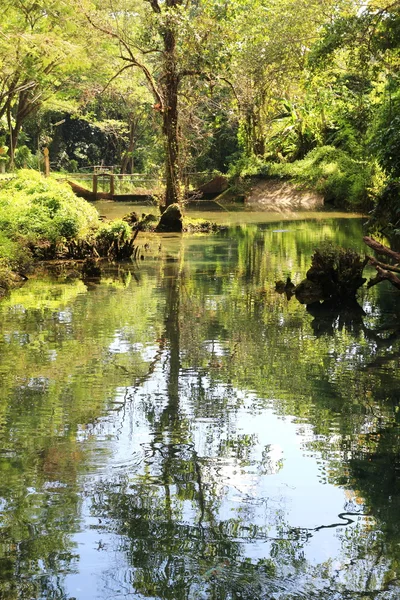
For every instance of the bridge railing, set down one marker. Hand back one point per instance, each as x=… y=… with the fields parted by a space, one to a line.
x=120 y=184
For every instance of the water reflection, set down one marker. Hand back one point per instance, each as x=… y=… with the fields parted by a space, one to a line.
x=184 y=431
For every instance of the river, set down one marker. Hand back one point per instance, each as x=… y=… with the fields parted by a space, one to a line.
x=181 y=431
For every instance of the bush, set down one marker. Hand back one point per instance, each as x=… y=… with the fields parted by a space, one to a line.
x=24 y=158
x=248 y=166
x=108 y=232
x=14 y=257
x=14 y=254
x=343 y=181
x=35 y=209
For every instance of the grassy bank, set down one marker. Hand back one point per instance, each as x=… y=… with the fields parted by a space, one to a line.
x=344 y=182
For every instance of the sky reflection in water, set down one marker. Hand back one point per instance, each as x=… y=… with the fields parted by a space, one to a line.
x=188 y=433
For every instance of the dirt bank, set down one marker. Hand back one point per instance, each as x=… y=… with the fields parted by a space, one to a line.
x=281 y=196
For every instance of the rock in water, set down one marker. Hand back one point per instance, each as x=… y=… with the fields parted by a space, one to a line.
x=171 y=220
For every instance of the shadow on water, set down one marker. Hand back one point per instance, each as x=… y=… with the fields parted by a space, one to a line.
x=328 y=317
x=184 y=432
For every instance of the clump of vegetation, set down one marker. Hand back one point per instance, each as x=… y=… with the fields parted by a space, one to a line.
x=113 y=240
x=148 y=222
x=37 y=215
x=200 y=225
x=15 y=262
x=342 y=180
x=34 y=208
x=109 y=232
x=335 y=274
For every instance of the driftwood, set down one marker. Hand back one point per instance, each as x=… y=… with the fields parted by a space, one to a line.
x=385 y=272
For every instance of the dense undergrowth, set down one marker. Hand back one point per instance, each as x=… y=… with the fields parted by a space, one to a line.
x=344 y=182
x=40 y=218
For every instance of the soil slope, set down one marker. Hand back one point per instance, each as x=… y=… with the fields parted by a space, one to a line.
x=282 y=196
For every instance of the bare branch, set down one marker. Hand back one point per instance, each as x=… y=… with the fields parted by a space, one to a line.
x=377 y=263
x=381 y=249
x=394 y=280
x=118 y=73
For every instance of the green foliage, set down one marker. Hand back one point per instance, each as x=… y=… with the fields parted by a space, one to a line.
x=118 y=229
x=342 y=180
x=24 y=158
x=15 y=254
x=35 y=208
x=386 y=132
x=386 y=214
x=14 y=257
x=248 y=166
x=339 y=32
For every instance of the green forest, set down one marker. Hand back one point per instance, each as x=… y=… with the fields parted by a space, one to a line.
x=201 y=416
x=307 y=90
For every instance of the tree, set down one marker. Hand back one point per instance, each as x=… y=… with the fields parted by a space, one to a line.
x=39 y=54
x=168 y=42
x=270 y=63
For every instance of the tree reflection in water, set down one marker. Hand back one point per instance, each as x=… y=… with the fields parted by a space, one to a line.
x=172 y=519
x=222 y=439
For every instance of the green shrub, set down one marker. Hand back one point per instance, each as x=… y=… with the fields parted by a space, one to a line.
x=343 y=181
x=5 y=277
x=14 y=257
x=43 y=209
x=248 y=166
x=14 y=254
x=24 y=158
x=118 y=229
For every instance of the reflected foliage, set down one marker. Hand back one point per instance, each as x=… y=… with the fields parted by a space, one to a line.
x=224 y=398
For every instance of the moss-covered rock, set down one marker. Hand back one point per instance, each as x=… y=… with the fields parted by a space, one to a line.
x=171 y=220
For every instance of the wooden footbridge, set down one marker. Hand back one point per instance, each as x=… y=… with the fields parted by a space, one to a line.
x=104 y=184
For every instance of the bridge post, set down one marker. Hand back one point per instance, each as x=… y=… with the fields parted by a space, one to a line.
x=94 y=186
x=112 y=185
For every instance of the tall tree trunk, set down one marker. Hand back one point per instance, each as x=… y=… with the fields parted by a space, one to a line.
x=170 y=120
x=173 y=189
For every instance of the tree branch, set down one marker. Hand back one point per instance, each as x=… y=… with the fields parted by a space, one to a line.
x=377 y=263
x=155 y=6
x=118 y=73
x=130 y=58
x=381 y=249
x=382 y=274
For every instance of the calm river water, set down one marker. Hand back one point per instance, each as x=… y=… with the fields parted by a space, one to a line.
x=180 y=431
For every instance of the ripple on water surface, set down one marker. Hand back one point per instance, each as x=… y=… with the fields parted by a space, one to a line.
x=186 y=432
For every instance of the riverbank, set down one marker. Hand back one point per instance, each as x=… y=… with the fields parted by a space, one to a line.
x=281 y=196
